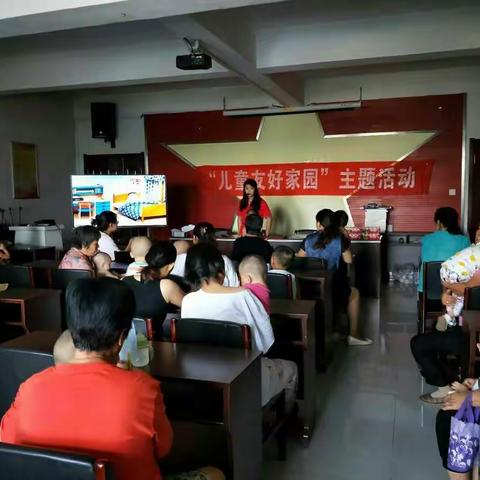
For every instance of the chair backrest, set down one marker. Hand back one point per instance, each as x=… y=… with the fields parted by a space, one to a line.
x=472 y=298
x=308 y=263
x=30 y=463
x=432 y=284
x=17 y=366
x=210 y=332
x=61 y=277
x=18 y=276
x=280 y=285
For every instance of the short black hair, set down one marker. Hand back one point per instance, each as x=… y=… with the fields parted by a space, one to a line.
x=448 y=217
x=253 y=224
x=98 y=311
x=104 y=219
x=160 y=254
x=284 y=256
x=203 y=262
x=84 y=236
x=325 y=217
x=205 y=232
x=341 y=217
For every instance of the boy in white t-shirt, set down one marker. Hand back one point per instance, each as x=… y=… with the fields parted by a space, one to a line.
x=281 y=261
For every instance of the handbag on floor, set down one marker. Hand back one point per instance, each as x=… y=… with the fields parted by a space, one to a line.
x=464 y=438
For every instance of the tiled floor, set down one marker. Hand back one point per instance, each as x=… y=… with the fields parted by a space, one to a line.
x=370 y=425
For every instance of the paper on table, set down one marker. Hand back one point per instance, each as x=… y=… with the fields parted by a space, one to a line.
x=376 y=217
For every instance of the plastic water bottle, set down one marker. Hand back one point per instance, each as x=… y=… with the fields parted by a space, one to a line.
x=142 y=357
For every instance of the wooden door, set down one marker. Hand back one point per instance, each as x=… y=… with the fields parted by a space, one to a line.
x=474 y=187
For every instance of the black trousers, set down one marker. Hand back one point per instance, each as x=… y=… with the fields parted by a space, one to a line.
x=427 y=348
x=442 y=429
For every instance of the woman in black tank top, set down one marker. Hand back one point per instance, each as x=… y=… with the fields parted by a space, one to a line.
x=153 y=291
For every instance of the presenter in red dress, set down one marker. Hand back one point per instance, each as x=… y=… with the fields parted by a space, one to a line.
x=252 y=202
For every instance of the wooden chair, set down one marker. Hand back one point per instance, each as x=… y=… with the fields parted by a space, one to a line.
x=29 y=463
x=431 y=304
x=280 y=286
x=307 y=263
x=210 y=332
x=472 y=298
x=59 y=280
x=17 y=276
x=18 y=365
x=234 y=335
x=471 y=328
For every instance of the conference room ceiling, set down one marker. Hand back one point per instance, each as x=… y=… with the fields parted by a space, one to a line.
x=273 y=45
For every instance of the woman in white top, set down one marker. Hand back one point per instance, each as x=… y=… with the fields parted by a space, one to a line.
x=107 y=223
x=205 y=272
x=204 y=232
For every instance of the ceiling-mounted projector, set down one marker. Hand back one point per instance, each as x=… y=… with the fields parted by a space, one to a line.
x=194 y=61
x=197 y=60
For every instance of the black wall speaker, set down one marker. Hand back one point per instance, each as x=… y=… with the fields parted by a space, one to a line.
x=104 y=121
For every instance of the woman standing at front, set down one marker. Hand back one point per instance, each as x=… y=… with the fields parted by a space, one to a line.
x=253 y=202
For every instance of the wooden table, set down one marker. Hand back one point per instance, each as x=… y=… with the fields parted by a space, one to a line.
x=293 y=324
x=191 y=375
x=39 y=308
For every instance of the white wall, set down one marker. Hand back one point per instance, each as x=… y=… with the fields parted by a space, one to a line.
x=131 y=107
x=46 y=121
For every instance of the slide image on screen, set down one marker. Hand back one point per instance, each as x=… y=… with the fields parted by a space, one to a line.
x=138 y=200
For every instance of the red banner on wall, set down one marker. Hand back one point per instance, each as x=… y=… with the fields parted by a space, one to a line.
x=360 y=178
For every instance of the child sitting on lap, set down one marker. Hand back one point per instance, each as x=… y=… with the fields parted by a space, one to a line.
x=103 y=262
x=139 y=247
x=458 y=269
x=253 y=276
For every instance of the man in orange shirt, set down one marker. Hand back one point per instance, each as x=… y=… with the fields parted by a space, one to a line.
x=89 y=405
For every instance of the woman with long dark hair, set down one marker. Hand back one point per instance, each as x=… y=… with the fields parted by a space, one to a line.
x=107 y=224
x=252 y=202
x=152 y=289
x=204 y=233
x=205 y=271
x=329 y=244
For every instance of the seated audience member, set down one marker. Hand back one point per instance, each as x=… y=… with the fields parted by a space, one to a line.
x=281 y=261
x=459 y=269
x=252 y=243
x=253 y=277
x=139 y=247
x=452 y=403
x=446 y=241
x=330 y=245
x=342 y=220
x=4 y=253
x=84 y=247
x=204 y=232
x=103 y=263
x=85 y=356
x=204 y=270
x=428 y=348
x=107 y=224
x=71 y=407
x=153 y=291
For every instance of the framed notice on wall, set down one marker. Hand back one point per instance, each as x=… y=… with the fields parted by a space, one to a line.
x=24 y=170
